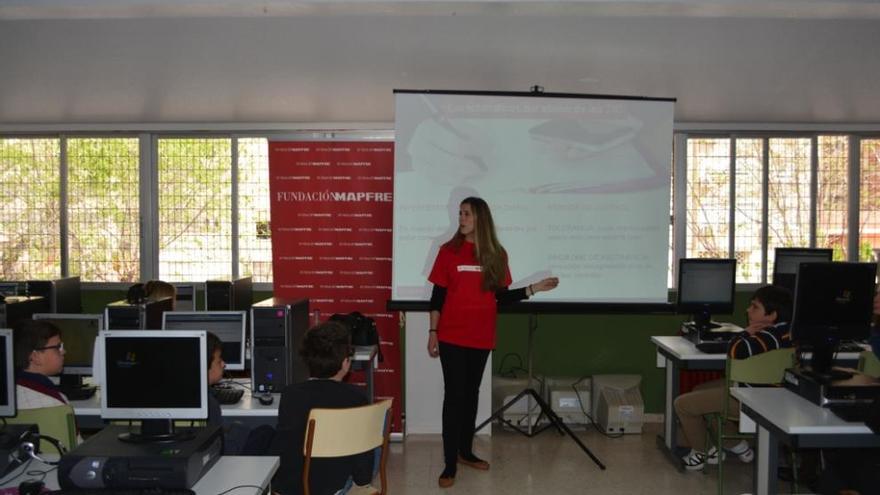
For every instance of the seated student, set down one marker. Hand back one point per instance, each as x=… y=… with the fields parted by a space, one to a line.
x=157 y=289
x=326 y=350
x=39 y=354
x=768 y=316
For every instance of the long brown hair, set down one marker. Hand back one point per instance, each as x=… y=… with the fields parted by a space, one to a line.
x=488 y=251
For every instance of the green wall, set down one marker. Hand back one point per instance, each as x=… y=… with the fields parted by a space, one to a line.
x=564 y=345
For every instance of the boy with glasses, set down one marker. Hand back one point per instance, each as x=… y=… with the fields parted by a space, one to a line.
x=39 y=354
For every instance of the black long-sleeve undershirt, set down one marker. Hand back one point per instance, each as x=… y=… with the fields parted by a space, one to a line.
x=503 y=295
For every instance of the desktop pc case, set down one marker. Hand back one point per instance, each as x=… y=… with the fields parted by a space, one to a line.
x=122 y=315
x=229 y=295
x=277 y=329
x=105 y=461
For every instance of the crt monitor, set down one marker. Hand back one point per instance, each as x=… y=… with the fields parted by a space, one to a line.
x=122 y=315
x=228 y=326
x=64 y=294
x=7 y=381
x=156 y=377
x=832 y=302
x=705 y=286
x=787 y=260
x=78 y=332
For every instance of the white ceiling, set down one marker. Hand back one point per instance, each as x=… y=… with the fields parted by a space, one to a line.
x=211 y=61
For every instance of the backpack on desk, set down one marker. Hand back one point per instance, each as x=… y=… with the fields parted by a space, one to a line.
x=363 y=329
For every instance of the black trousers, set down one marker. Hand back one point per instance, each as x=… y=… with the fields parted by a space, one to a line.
x=462 y=373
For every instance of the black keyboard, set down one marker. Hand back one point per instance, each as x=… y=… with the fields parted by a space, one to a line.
x=849 y=347
x=227 y=395
x=124 y=491
x=858 y=412
x=79 y=393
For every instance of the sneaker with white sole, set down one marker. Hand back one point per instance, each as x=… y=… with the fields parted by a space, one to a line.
x=694 y=461
x=712 y=457
x=743 y=451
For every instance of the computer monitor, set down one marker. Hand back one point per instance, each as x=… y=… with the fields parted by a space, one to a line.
x=156 y=377
x=787 y=260
x=64 y=294
x=7 y=380
x=832 y=302
x=229 y=326
x=705 y=286
x=122 y=315
x=78 y=332
x=229 y=295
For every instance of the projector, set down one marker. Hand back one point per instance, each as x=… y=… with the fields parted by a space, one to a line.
x=504 y=389
x=617 y=404
x=567 y=403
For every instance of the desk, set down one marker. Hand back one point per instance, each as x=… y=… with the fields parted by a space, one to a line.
x=783 y=416
x=228 y=472
x=678 y=353
x=248 y=410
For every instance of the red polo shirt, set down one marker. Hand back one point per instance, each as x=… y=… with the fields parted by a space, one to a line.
x=469 y=314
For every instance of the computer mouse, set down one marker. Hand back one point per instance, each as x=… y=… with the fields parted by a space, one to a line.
x=266 y=399
x=30 y=487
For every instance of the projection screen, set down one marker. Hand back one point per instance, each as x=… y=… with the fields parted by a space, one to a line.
x=578 y=187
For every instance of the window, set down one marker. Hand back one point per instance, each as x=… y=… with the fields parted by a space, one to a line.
x=254 y=241
x=869 y=199
x=195 y=209
x=798 y=195
x=30 y=216
x=103 y=209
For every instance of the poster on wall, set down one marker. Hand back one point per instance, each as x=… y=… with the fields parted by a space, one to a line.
x=331 y=208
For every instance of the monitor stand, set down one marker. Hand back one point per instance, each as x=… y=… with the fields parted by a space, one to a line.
x=158 y=431
x=822 y=361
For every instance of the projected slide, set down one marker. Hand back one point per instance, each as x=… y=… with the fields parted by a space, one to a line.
x=578 y=187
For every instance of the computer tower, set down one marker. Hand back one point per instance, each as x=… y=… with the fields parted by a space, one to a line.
x=63 y=294
x=15 y=308
x=122 y=315
x=277 y=329
x=229 y=295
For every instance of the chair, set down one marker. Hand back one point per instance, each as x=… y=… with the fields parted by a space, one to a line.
x=57 y=422
x=869 y=364
x=766 y=368
x=349 y=431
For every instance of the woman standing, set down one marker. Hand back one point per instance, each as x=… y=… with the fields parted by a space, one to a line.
x=470 y=277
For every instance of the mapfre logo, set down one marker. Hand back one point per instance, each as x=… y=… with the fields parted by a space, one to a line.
x=328 y=196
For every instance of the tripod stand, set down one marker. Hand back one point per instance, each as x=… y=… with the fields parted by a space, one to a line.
x=546 y=410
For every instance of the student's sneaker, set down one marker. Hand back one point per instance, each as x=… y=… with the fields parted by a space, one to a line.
x=694 y=461
x=743 y=451
x=712 y=456
x=362 y=490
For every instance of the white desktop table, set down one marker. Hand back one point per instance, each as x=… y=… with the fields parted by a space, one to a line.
x=228 y=472
x=248 y=410
x=783 y=416
x=677 y=353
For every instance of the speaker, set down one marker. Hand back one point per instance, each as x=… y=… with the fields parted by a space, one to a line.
x=277 y=329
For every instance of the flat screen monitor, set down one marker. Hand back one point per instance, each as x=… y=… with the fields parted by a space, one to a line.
x=78 y=332
x=7 y=381
x=64 y=294
x=832 y=302
x=705 y=286
x=156 y=377
x=229 y=326
x=787 y=260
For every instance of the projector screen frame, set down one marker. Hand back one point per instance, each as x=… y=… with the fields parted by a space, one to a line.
x=550 y=307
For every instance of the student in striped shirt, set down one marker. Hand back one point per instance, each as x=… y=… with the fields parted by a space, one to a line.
x=768 y=315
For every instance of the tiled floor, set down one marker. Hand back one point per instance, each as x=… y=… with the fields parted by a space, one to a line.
x=549 y=464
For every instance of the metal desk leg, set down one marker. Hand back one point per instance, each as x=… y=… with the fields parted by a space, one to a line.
x=766 y=462
x=670 y=425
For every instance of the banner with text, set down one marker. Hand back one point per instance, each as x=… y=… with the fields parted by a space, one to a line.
x=331 y=207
